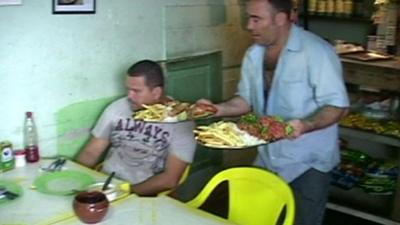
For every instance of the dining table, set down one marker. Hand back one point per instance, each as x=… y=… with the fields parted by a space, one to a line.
x=36 y=205
x=160 y=210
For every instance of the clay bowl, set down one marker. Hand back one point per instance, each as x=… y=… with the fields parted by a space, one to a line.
x=90 y=206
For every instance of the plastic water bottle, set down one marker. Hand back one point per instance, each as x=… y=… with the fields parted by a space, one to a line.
x=30 y=139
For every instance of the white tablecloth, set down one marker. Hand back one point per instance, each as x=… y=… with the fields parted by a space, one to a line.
x=161 y=210
x=34 y=207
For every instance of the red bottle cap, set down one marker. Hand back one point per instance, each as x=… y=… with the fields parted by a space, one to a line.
x=29 y=114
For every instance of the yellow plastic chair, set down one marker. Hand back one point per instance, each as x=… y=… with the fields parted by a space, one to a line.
x=183 y=178
x=256 y=196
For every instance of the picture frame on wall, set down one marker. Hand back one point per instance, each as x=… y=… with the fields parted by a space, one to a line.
x=73 y=6
x=10 y=2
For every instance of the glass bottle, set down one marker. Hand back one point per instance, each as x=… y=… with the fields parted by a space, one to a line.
x=358 y=8
x=339 y=8
x=30 y=139
x=395 y=107
x=348 y=8
x=321 y=7
x=312 y=7
x=330 y=7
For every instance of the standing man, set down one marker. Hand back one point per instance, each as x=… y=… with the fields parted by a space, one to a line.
x=152 y=156
x=293 y=73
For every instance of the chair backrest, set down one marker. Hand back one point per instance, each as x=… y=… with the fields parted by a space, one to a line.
x=256 y=196
x=183 y=179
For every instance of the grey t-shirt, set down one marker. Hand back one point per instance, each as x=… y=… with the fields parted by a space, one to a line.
x=139 y=149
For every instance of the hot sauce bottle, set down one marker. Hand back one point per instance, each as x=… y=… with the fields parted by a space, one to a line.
x=30 y=139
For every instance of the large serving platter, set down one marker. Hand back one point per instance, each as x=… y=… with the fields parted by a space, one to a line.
x=249 y=132
x=226 y=147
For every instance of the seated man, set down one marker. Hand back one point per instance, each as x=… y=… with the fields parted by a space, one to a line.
x=152 y=156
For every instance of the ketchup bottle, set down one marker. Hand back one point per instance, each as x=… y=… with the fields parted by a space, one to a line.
x=30 y=139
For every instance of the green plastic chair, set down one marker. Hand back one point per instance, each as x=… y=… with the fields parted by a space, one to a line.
x=256 y=196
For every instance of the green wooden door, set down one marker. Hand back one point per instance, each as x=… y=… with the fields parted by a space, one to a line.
x=192 y=79
x=195 y=78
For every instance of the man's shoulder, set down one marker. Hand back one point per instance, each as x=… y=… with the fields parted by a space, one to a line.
x=313 y=41
x=255 y=51
x=121 y=104
x=255 y=48
x=314 y=46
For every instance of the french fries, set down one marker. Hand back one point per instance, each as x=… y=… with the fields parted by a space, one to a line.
x=224 y=135
x=171 y=111
x=156 y=112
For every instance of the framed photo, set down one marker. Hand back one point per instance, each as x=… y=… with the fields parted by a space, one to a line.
x=73 y=6
x=10 y=2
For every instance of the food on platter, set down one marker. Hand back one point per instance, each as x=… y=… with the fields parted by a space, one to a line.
x=173 y=111
x=251 y=130
x=200 y=110
x=268 y=128
x=225 y=135
x=345 y=48
x=367 y=56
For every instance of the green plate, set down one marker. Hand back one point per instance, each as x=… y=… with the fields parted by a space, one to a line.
x=63 y=182
x=10 y=186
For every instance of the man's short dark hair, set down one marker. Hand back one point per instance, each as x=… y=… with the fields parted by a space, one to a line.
x=285 y=6
x=150 y=70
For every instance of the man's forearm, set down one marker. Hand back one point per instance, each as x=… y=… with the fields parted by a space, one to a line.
x=325 y=117
x=236 y=106
x=92 y=151
x=86 y=159
x=154 y=185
